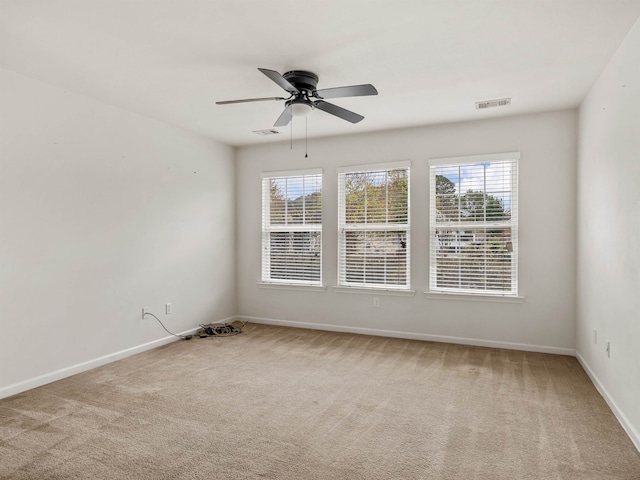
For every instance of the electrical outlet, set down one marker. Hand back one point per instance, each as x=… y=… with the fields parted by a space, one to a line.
x=376 y=302
x=608 y=349
x=168 y=309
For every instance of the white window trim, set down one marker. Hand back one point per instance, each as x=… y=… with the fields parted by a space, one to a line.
x=292 y=286
x=455 y=294
x=399 y=290
x=476 y=297
x=474 y=159
x=310 y=227
x=374 y=166
x=292 y=173
x=393 y=292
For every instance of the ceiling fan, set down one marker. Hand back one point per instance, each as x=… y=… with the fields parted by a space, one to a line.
x=301 y=85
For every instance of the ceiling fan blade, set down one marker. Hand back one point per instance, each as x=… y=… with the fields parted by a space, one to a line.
x=284 y=118
x=247 y=100
x=280 y=80
x=350 y=91
x=343 y=113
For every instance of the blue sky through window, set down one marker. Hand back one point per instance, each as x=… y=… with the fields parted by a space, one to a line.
x=494 y=178
x=295 y=187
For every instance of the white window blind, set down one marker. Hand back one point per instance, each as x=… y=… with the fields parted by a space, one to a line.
x=292 y=227
x=374 y=234
x=474 y=225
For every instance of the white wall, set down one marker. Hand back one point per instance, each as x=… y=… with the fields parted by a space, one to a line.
x=546 y=319
x=608 y=289
x=103 y=212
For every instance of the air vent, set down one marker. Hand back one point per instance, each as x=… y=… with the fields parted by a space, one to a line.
x=501 y=102
x=269 y=131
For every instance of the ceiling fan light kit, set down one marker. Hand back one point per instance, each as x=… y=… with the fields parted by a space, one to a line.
x=300 y=108
x=305 y=97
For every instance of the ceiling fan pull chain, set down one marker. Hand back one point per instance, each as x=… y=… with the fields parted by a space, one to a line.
x=291 y=135
x=306 y=136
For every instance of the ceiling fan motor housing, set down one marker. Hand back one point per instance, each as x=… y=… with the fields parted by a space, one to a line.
x=304 y=81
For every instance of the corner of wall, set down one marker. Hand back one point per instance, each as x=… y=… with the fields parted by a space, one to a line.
x=607 y=217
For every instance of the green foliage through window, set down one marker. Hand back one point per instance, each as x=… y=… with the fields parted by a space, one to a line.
x=374 y=228
x=473 y=228
x=292 y=229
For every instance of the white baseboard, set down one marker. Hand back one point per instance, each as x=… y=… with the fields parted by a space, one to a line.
x=88 y=365
x=413 y=336
x=633 y=433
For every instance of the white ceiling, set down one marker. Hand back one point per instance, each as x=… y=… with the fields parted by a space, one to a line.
x=429 y=59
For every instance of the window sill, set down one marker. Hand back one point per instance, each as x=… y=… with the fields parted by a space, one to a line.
x=472 y=298
x=375 y=291
x=292 y=286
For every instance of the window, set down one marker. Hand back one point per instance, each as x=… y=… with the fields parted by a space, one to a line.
x=292 y=227
x=474 y=225
x=373 y=226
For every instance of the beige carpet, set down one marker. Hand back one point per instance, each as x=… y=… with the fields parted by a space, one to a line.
x=281 y=403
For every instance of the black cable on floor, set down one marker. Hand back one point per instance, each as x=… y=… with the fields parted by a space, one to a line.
x=186 y=337
x=221 y=329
